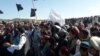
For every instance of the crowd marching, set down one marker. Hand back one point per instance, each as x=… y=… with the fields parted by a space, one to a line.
x=49 y=39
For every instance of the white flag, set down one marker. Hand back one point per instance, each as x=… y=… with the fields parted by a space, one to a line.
x=55 y=17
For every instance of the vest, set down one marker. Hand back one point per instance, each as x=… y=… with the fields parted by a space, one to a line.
x=24 y=50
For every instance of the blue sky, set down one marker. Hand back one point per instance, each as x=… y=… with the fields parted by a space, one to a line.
x=65 y=8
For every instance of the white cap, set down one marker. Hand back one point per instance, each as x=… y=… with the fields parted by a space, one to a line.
x=95 y=42
x=58 y=27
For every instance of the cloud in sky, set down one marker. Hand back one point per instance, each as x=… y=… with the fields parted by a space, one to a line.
x=94 y=10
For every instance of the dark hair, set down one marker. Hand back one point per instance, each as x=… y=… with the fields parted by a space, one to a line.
x=56 y=23
x=20 y=29
x=26 y=27
x=95 y=33
x=3 y=22
x=85 y=32
x=62 y=34
x=96 y=24
x=7 y=29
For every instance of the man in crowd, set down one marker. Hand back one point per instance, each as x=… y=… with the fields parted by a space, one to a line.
x=36 y=39
x=47 y=40
x=84 y=48
x=20 y=48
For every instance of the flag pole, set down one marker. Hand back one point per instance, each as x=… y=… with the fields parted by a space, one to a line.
x=18 y=12
x=34 y=8
x=19 y=16
x=19 y=7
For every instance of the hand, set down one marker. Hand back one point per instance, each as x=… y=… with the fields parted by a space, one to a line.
x=6 y=44
x=78 y=42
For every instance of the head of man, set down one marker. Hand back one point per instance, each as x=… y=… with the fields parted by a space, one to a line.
x=73 y=32
x=84 y=48
x=20 y=30
x=83 y=34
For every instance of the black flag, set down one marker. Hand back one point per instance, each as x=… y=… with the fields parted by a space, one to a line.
x=33 y=12
x=1 y=12
x=19 y=7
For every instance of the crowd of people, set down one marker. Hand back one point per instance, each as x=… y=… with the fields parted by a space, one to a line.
x=49 y=39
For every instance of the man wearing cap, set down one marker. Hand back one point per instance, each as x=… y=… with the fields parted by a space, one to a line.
x=73 y=42
x=84 y=47
x=95 y=42
x=84 y=35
